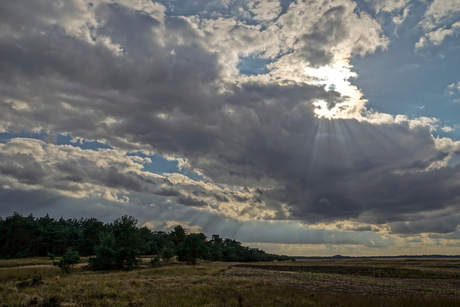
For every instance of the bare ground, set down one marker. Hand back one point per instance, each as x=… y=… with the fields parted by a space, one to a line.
x=382 y=286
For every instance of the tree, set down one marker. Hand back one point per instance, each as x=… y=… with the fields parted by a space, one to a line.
x=116 y=245
x=106 y=253
x=168 y=252
x=70 y=258
x=178 y=235
x=119 y=247
x=149 y=247
x=90 y=236
x=215 y=248
x=128 y=240
x=193 y=247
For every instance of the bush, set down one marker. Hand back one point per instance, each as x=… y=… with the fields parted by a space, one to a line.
x=18 y=255
x=35 y=281
x=167 y=253
x=67 y=261
x=155 y=261
x=51 y=256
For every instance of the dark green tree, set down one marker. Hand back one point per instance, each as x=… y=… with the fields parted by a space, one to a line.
x=192 y=248
x=178 y=235
x=70 y=258
x=149 y=246
x=27 y=236
x=215 y=248
x=106 y=253
x=168 y=252
x=119 y=247
x=90 y=236
x=128 y=240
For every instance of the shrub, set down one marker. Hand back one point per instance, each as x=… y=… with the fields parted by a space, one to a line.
x=167 y=253
x=155 y=261
x=35 y=281
x=67 y=261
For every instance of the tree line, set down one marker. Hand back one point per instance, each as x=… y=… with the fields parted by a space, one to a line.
x=118 y=244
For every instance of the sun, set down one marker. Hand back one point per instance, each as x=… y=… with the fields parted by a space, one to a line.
x=322 y=109
x=336 y=77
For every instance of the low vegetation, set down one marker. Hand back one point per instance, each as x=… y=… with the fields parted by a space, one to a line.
x=208 y=283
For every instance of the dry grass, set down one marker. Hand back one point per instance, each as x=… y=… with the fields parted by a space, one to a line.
x=25 y=261
x=44 y=261
x=208 y=284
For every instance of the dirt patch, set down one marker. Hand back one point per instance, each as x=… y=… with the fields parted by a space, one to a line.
x=382 y=286
x=359 y=271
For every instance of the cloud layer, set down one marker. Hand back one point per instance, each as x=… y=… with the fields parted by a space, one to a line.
x=293 y=143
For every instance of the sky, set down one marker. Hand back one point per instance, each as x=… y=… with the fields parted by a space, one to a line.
x=307 y=128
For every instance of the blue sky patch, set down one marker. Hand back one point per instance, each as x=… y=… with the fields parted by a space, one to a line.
x=253 y=65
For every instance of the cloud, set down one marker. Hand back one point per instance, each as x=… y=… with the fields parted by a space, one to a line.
x=399 y=19
x=440 y=21
x=29 y=164
x=453 y=87
x=438 y=225
x=265 y=10
x=438 y=11
x=140 y=77
x=388 y=5
x=437 y=36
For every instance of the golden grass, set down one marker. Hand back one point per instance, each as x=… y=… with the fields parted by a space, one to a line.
x=32 y=261
x=25 y=261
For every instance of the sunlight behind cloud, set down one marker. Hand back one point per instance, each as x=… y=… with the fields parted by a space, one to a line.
x=336 y=77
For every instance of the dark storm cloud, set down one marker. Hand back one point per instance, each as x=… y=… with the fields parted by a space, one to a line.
x=422 y=165
x=190 y=202
x=358 y=228
x=441 y=225
x=28 y=171
x=221 y=198
x=349 y=167
x=140 y=79
x=167 y=192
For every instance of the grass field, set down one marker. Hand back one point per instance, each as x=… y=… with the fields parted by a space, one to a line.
x=401 y=282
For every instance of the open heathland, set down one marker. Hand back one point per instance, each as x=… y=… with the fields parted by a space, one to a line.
x=350 y=282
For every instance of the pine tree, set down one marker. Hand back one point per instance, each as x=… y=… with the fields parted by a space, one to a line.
x=70 y=258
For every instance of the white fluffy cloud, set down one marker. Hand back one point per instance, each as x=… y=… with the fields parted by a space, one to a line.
x=437 y=36
x=388 y=5
x=439 y=11
x=440 y=21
